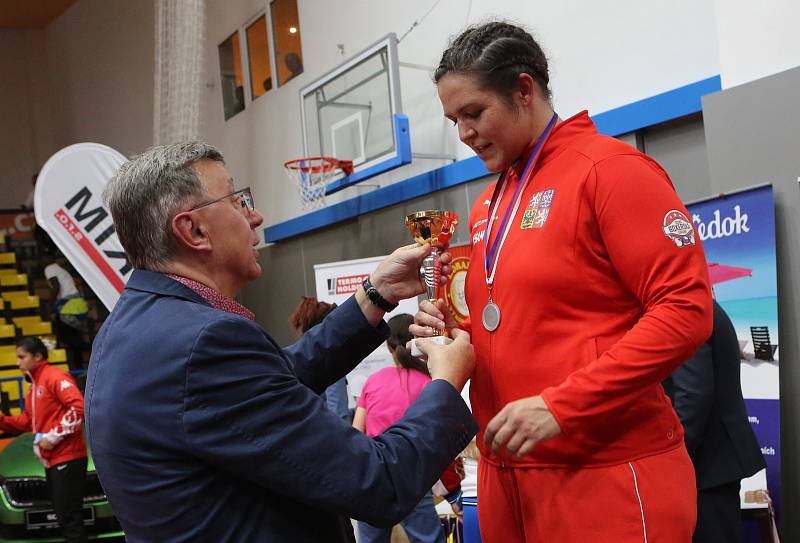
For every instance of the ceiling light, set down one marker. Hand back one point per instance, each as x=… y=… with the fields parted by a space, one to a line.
x=292 y=30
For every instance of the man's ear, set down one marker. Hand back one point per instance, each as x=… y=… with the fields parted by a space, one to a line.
x=190 y=232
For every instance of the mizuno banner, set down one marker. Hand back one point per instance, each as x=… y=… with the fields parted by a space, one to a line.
x=69 y=207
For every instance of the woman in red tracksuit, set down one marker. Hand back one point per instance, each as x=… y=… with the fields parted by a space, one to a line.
x=54 y=413
x=587 y=286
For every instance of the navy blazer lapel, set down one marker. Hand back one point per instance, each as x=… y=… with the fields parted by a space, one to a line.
x=158 y=283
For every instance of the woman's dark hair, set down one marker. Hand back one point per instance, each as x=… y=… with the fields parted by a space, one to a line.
x=496 y=53
x=309 y=313
x=33 y=345
x=398 y=337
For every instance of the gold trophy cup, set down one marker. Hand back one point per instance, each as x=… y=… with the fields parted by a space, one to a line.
x=435 y=227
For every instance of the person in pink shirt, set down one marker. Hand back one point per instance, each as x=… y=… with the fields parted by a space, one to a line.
x=386 y=395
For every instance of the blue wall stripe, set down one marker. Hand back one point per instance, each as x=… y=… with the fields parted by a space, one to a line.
x=451 y=175
x=648 y=112
x=656 y=109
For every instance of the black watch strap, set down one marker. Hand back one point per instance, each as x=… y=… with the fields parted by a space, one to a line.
x=376 y=298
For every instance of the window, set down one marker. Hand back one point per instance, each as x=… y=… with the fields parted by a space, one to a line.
x=258 y=55
x=230 y=68
x=286 y=29
x=278 y=31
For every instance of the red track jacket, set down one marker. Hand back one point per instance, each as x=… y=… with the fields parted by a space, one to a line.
x=603 y=288
x=53 y=408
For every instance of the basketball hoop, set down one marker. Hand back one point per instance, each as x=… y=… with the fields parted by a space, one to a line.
x=311 y=175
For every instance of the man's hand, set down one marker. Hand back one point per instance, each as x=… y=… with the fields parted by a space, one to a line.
x=520 y=426
x=45 y=444
x=432 y=316
x=454 y=362
x=397 y=275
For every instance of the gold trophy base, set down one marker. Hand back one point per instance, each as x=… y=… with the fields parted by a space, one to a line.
x=438 y=340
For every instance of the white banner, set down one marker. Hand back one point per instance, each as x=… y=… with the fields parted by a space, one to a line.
x=337 y=281
x=69 y=207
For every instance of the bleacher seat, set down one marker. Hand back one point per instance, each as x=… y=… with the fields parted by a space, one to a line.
x=8 y=331
x=19 y=322
x=11 y=387
x=21 y=301
x=8 y=258
x=13 y=280
x=8 y=360
x=36 y=329
x=58 y=357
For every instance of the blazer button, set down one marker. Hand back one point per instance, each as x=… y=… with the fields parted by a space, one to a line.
x=670 y=435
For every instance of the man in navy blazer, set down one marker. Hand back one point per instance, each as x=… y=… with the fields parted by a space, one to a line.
x=202 y=428
x=706 y=392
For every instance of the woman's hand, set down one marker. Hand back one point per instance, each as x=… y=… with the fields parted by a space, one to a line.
x=432 y=316
x=520 y=426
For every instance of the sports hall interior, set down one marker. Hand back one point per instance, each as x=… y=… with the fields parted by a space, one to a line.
x=708 y=88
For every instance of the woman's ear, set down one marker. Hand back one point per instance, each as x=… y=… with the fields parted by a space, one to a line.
x=190 y=232
x=527 y=89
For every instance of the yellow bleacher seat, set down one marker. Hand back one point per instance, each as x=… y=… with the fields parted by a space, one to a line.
x=24 y=302
x=7 y=331
x=56 y=356
x=8 y=359
x=8 y=258
x=8 y=349
x=11 y=387
x=14 y=280
x=36 y=329
x=13 y=294
x=19 y=322
x=8 y=271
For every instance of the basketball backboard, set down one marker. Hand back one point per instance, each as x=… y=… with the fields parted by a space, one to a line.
x=354 y=112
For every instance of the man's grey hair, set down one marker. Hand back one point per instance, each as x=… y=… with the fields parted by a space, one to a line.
x=145 y=194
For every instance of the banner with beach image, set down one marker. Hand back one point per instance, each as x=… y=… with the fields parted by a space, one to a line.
x=738 y=235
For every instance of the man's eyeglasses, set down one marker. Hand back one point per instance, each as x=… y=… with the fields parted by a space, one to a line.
x=242 y=198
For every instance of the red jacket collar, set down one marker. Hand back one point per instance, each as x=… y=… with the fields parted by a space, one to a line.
x=563 y=133
x=34 y=372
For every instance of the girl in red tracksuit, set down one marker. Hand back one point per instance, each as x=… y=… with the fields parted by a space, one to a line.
x=54 y=413
x=587 y=286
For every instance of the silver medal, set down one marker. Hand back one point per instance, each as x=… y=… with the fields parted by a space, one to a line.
x=491 y=316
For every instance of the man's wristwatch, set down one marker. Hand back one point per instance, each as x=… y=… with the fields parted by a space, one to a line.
x=376 y=298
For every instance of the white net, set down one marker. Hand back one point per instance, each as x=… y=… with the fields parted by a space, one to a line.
x=311 y=177
x=180 y=28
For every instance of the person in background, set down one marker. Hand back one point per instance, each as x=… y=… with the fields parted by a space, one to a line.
x=587 y=286
x=706 y=392
x=386 y=395
x=308 y=313
x=193 y=407
x=294 y=64
x=54 y=413
x=70 y=311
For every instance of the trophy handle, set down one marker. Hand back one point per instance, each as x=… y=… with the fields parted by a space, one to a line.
x=427 y=273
